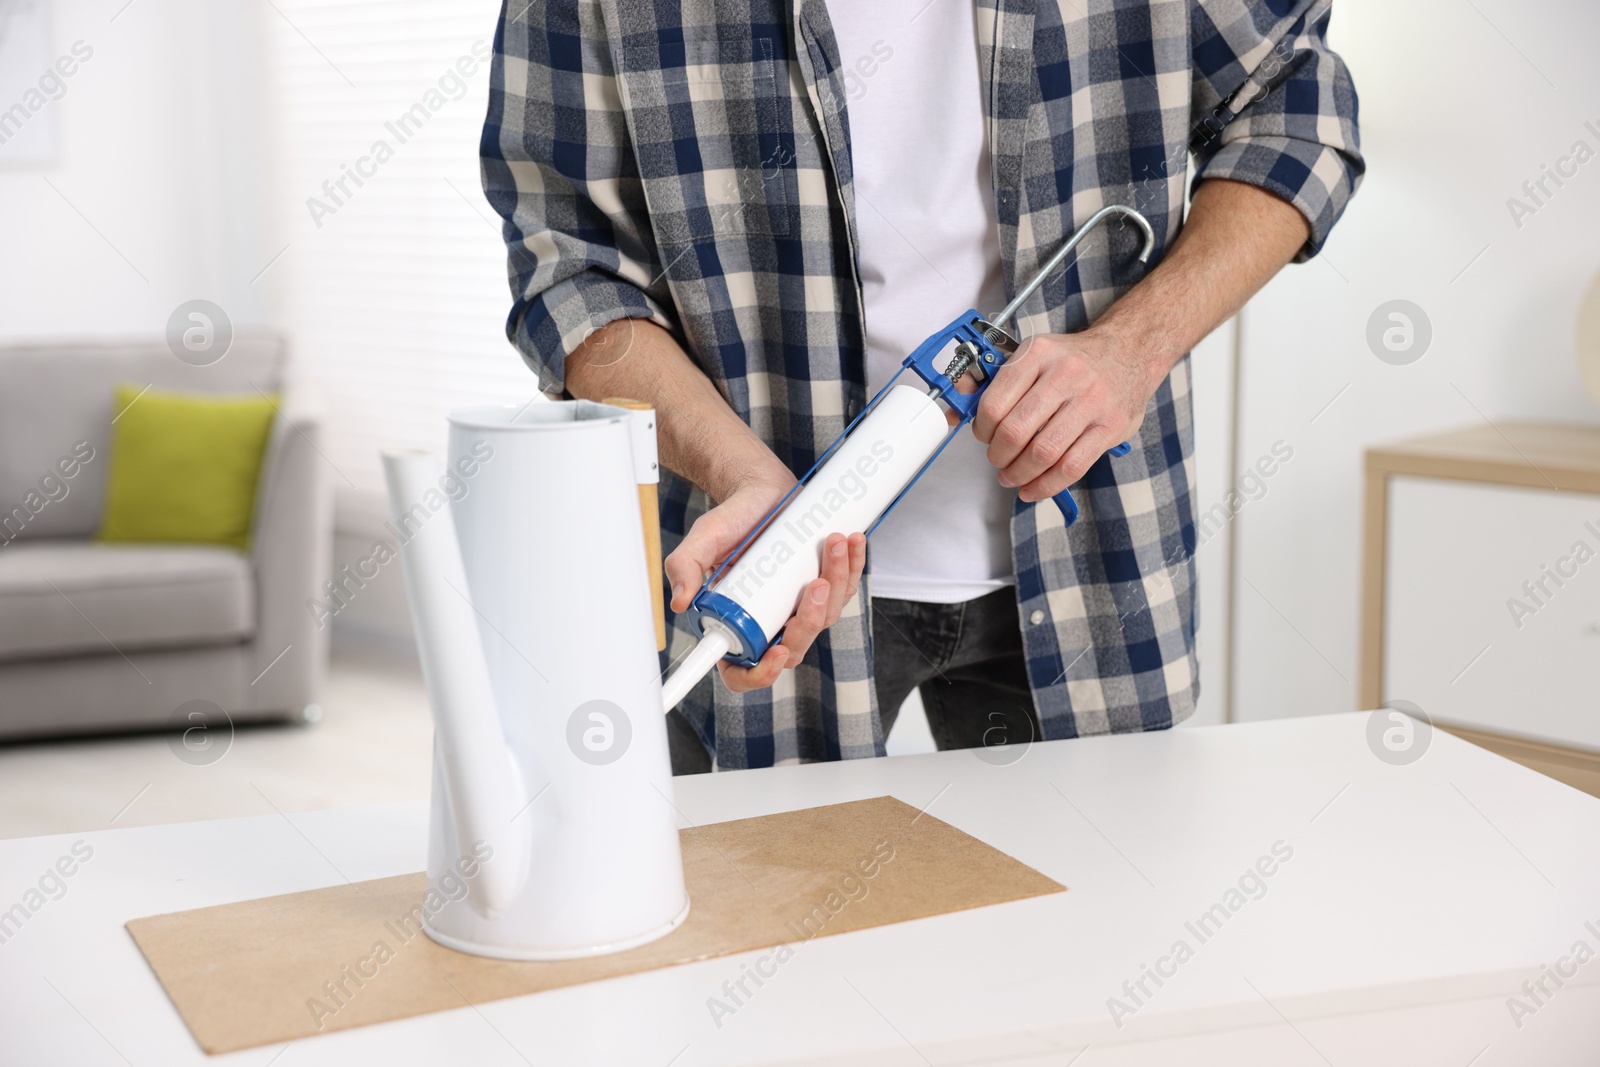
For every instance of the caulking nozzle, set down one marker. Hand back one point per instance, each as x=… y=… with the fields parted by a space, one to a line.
x=695 y=666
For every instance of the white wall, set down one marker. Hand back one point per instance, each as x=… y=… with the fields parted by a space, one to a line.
x=395 y=274
x=163 y=152
x=1453 y=121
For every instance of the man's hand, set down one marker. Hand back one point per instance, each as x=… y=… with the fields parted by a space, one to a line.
x=1057 y=405
x=719 y=531
x=700 y=437
x=1065 y=399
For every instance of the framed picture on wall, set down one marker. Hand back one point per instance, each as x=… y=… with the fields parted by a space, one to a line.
x=30 y=87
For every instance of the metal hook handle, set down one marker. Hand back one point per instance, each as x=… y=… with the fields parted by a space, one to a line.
x=1072 y=242
x=1063 y=499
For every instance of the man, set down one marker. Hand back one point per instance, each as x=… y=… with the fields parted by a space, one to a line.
x=748 y=211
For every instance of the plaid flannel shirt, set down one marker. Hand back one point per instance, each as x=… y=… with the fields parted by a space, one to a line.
x=688 y=162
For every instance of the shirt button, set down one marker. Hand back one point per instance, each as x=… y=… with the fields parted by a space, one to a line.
x=1036 y=617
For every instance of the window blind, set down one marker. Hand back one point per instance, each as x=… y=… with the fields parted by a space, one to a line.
x=394 y=276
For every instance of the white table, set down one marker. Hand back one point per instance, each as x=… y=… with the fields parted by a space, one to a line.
x=1417 y=899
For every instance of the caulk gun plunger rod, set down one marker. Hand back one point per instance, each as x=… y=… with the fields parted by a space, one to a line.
x=1083 y=231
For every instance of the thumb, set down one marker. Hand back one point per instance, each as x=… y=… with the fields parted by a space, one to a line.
x=695 y=556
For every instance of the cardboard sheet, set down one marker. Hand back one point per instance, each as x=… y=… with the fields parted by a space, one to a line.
x=270 y=970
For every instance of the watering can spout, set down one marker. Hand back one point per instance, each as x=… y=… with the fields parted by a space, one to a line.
x=472 y=756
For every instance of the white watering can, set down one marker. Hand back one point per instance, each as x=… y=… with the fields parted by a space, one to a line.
x=525 y=562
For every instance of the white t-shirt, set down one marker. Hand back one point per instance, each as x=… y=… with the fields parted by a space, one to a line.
x=929 y=249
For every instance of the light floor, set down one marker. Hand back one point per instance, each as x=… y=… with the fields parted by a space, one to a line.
x=373 y=746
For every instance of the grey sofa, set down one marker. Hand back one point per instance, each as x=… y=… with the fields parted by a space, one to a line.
x=97 y=637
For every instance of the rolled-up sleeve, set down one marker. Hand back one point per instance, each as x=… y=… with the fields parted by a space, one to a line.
x=1273 y=106
x=557 y=165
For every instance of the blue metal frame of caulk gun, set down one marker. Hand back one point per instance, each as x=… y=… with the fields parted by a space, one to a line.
x=979 y=343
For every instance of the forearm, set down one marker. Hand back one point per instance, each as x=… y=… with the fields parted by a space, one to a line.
x=697 y=434
x=1236 y=237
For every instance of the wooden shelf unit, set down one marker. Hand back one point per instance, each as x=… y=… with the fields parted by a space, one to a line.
x=1528 y=455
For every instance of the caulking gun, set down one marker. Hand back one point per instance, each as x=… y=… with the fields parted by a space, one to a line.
x=858 y=480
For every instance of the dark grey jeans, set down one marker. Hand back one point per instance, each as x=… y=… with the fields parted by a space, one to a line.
x=967 y=662
x=965 y=659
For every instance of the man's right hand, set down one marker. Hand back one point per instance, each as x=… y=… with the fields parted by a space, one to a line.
x=719 y=531
x=700 y=437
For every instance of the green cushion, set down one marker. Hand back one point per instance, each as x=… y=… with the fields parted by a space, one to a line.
x=184 y=466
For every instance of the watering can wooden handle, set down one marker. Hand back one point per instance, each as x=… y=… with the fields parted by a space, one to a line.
x=650 y=513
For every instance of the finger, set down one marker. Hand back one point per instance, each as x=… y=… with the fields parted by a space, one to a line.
x=835 y=559
x=1048 y=445
x=1010 y=383
x=685 y=573
x=1018 y=429
x=680 y=574
x=810 y=619
x=763 y=674
x=837 y=571
x=1072 y=466
x=696 y=555
x=858 y=563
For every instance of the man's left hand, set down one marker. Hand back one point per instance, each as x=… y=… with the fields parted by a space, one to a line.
x=1059 y=404
x=1064 y=400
